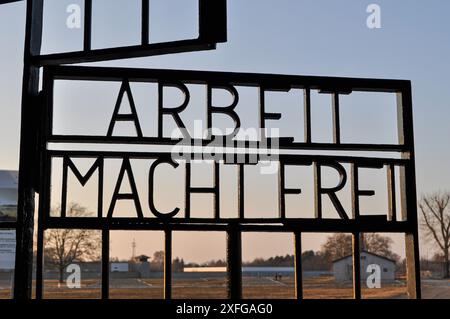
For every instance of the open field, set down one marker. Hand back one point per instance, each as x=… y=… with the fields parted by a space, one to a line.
x=215 y=288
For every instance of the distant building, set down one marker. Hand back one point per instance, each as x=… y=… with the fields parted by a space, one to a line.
x=205 y=269
x=120 y=267
x=343 y=267
x=8 y=195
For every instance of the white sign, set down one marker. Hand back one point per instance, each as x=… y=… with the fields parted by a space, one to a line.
x=7 y=249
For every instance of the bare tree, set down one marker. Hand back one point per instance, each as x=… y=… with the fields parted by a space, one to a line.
x=436 y=223
x=337 y=246
x=340 y=245
x=380 y=245
x=66 y=246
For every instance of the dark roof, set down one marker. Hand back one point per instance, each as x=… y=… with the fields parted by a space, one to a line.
x=367 y=252
x=9 y=179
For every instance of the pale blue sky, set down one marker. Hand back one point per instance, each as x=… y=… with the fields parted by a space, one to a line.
x=307 y=37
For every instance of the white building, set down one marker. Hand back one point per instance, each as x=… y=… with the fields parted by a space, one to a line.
x=120 y=267
x=342 y=268
x=8 y=212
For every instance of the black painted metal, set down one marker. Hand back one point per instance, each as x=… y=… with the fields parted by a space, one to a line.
x=212 y=30
x=28 y=153
x=354 y=223
x=298 y=265
x=356 y=265
x=234 y=262
x=212 y=21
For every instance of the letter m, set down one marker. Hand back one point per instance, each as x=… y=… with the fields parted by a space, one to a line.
x=83 y=179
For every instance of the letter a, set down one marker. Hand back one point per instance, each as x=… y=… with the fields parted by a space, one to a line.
x=132 y=117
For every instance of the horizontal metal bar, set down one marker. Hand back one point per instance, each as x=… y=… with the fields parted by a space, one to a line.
x=292 y=159
x=125 y=52
x=8 y=1
x=283 y=144
x=368 y=224
x=270 y=81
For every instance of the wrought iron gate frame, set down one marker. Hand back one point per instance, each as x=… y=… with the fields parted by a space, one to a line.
x=235 y=226
x=31 y=166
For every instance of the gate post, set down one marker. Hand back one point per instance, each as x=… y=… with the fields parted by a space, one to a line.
x=28 y=150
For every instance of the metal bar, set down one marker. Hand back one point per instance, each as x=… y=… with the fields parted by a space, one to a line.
x=365 y=224
x=64 y=187
x=145 y=22
x=283 y=144
x=213 y=20
x=241 y=194
x=217 y=190
x=392 y=202
x=356 y=266
x=87 y=40
x=355 y=188
x=28 y=150
x=168 y=265
x=285 y=158
x=307 y=115
x=8 y=1
x=105 y=263
x=336 y=119
x=234 y=263
x=317 y=194
x=229 y=78
x=126 y=52
x=187 y=191
x=409 y=193
x=298 y=265
x=281 y=193
x=39 y=262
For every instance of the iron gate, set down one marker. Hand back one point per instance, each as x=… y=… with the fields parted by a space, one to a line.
x=352 y=222
x=35 y=156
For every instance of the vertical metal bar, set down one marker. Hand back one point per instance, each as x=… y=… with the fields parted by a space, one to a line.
x=241 y=198
x=336 y=119
x=234 y=262
x=307 y=114
x=355 y=188
x=216 y=190
x=392 y=205
x=44 y=211
x=145 y=22
x=100 y=188
x=413 y=265
x=39 y=263
x=168 y=264
x=87 y=42
x=262 y=112
x=408 y=191
x=356 y=266
x=298 y=265
x=28 y=149
x=105 y=263
x=317 y=195
x=213 y=20
x=281 y=192
x=64 y=187
x=187 y=191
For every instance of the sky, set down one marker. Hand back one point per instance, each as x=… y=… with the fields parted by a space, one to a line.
x=308 y=37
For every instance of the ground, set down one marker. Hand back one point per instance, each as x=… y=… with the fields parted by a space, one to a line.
x=253 y=287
